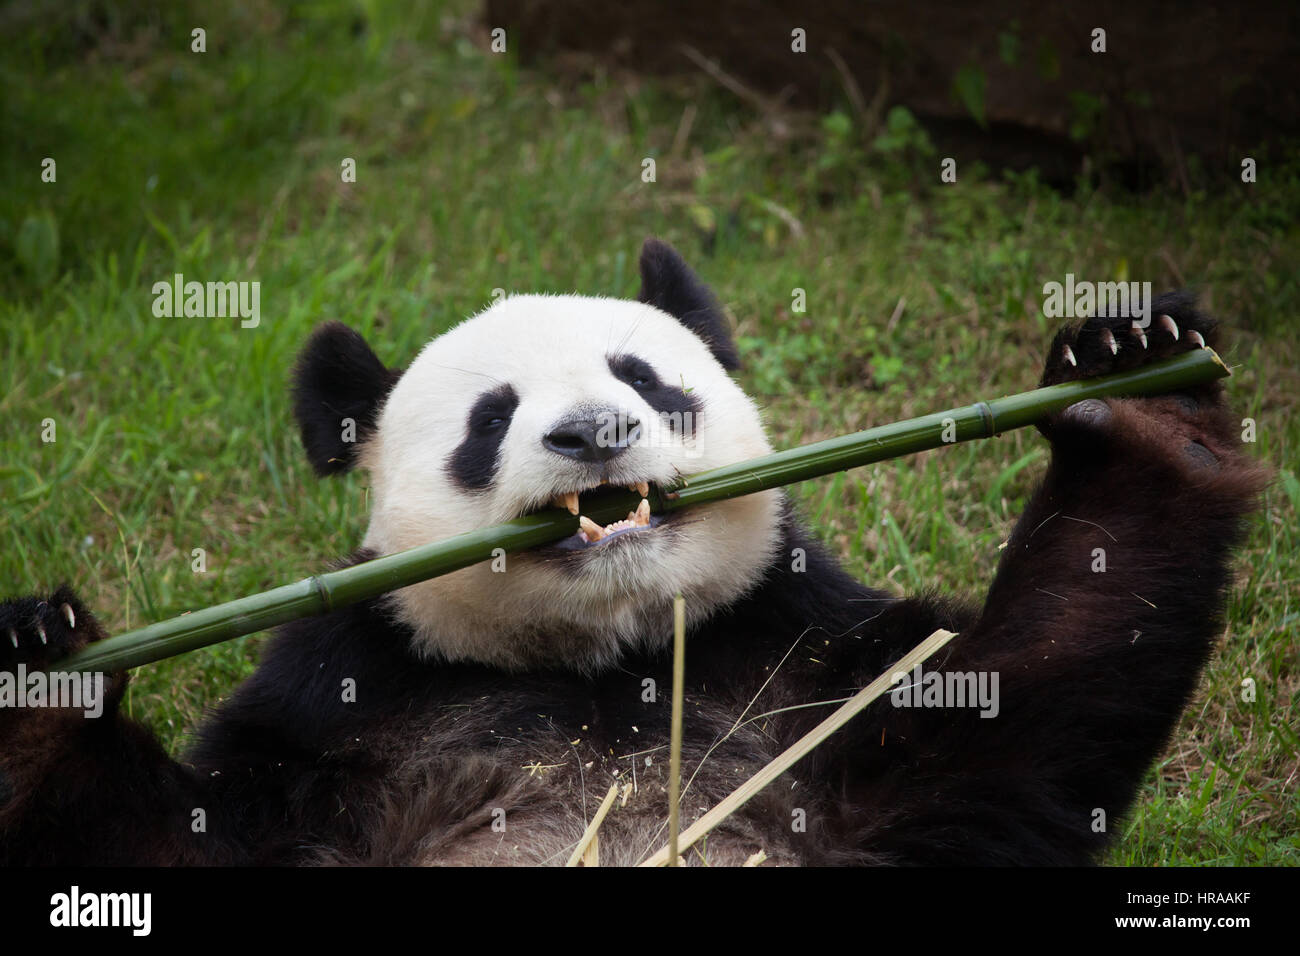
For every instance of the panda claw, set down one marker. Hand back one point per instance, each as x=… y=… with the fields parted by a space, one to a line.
x=1142 y=336
x=13 y=638
x=1069 y=356
x=41 y=631
x=69 y=616
x=1108 y=338
x=1170 y=326
x=1196 y=337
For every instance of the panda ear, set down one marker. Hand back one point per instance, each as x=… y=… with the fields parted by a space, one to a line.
x=668 y=283
x=338 y=378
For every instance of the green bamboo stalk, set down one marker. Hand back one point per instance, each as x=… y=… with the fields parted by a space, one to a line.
x=334 y=589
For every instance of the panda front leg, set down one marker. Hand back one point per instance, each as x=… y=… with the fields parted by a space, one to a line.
x=81 y=784
x=1106 y=605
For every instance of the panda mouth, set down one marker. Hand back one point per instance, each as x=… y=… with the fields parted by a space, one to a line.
x=591 y=534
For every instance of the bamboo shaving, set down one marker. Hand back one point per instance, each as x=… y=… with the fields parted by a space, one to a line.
x=589 y=834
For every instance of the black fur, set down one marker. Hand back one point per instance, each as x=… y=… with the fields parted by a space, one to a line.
x=1095 y=669
x=337 y=378
x=668 y=283
x=474 y=462
x=679 y=406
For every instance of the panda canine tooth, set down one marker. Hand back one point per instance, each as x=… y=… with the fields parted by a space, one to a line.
x=644 y=488
x=642 y=516
x=593 y=531
x=570 y=501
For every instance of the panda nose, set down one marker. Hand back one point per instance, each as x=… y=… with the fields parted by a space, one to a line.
x=601 y=438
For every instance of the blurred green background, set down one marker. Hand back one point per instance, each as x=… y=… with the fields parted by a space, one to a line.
x=474 y=173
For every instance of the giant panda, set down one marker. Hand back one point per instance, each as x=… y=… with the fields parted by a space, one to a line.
x=493 y=709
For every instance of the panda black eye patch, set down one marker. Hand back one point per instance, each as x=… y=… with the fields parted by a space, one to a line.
x=668 y=399
x=475 y=459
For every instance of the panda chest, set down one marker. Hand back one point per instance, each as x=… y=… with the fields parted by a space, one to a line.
x=525 y=791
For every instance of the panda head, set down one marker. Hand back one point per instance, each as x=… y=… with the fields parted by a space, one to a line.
x=536 y=400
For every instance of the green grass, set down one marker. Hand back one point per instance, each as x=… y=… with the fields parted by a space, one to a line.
x=473 y=174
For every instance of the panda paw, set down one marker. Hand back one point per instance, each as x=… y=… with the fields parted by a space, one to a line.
x=39 y=631
x=1103 y=345
x=1191 y=434
x=1196 y=418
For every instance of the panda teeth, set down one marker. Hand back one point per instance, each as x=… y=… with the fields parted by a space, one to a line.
x=568 y=500
x=643 y=488
x=590 y=532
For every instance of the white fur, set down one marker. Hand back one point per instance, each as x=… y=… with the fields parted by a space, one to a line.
x=552 y=350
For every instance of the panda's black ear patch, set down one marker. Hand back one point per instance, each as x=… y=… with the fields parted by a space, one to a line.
x=668 y=283
x=339 y=385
